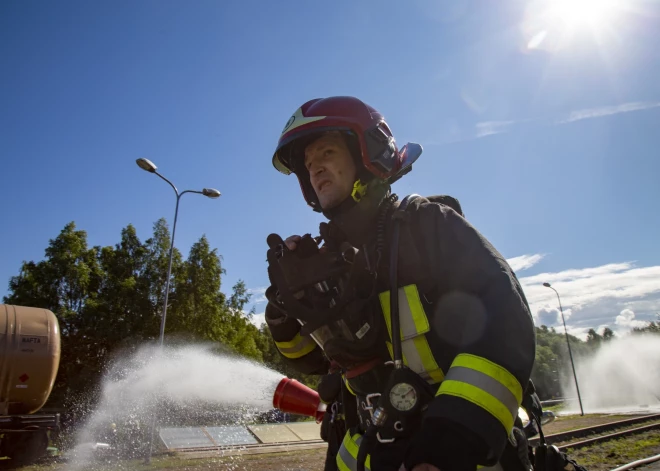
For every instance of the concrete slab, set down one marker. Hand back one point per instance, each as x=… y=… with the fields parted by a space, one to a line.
x=306 y=430
x=228 y=435
x=274 y=433
x=185 y=437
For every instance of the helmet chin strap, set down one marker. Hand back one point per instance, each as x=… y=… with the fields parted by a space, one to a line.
x=363 y=188
x=355 y=217
x=359 y=191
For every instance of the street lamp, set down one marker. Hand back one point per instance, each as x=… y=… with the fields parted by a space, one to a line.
x=570 y=354
x=148 y=165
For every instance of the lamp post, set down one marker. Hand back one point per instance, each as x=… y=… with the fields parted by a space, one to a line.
x=570 y=354
x=147 y=165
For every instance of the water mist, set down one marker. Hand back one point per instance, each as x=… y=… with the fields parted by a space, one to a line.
x=188 y=385
x=622 y=376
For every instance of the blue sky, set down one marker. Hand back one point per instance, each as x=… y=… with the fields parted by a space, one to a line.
x=542 y=119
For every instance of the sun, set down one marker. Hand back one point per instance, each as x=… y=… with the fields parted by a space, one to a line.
x=559 y=24
x=581 y=13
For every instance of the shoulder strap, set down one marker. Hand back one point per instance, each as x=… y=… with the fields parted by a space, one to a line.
x=398 y=215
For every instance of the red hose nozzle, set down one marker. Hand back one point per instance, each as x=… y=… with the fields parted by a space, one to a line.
x=296 y=398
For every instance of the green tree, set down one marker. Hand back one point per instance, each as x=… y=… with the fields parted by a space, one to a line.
x=608 y=334
x=242 y=334
x=593 y=339
x=125 y=312
x=651 y=328
x=158 y=249
x=197 y=306
x=552 y=359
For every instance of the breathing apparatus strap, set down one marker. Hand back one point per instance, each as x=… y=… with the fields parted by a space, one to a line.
x=398 y=215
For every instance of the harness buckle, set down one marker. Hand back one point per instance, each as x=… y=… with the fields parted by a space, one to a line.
x=369 y=406
x=384 y=440
x=377 y=415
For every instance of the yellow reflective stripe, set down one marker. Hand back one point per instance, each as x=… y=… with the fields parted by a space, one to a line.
x=414 y=323
x=341 y=466
x=491 y=369
x=486 y=384
x=428 y=362
x=348 y=386
x=385 y=305
x=479 y=397
x=416 y=309
x=293 y=343
x=297 y=347
x=421 y=359
x=412 y=317
x=347 y=455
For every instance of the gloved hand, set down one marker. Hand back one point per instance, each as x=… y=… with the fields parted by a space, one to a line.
x=275 y=313
x=330 y=387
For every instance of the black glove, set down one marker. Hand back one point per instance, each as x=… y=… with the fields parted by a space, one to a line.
x=330 y=387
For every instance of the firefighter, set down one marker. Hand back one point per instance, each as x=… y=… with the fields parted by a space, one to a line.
x=467 y=343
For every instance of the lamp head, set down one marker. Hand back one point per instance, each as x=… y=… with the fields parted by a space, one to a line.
x=211 y=192
x=146 y=164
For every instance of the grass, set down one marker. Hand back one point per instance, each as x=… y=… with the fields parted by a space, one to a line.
x=556 y=408
x=609 y=455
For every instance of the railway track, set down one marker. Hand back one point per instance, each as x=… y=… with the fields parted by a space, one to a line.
x=562 y=440
x=610 y=436
x=595 y=430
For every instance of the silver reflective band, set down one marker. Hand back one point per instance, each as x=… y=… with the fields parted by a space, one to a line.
x=346 y=461
x=485 y=383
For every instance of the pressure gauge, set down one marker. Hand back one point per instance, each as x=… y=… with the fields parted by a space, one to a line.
x=403 y=396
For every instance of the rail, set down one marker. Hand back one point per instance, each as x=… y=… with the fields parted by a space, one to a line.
x=601 y=428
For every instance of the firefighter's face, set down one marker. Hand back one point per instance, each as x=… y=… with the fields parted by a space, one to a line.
x=331 y=169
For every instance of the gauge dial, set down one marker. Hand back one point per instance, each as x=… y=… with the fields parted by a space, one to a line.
x=403 y=396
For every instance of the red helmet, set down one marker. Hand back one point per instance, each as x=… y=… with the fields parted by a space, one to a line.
x=372 y=143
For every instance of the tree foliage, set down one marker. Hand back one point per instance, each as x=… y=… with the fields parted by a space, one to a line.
x=652 y=327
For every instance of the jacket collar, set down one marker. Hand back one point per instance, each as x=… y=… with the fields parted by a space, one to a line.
x=357 y=221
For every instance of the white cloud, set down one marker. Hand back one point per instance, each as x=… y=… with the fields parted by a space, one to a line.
x=523 y=262
x=488 y=128
x=580 y=287
x=258 y=319
x=627 y=319
x=596 y=296
x=601 y=111
x=548 y=316
x=258 y=295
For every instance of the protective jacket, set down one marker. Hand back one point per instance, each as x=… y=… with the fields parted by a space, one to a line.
x=466 y=330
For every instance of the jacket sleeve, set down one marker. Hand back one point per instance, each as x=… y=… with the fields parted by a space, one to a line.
x=298 y=351
x=482 y=315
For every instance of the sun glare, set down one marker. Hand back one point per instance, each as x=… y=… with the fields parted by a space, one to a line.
x=557 y=24
x=576 y=13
